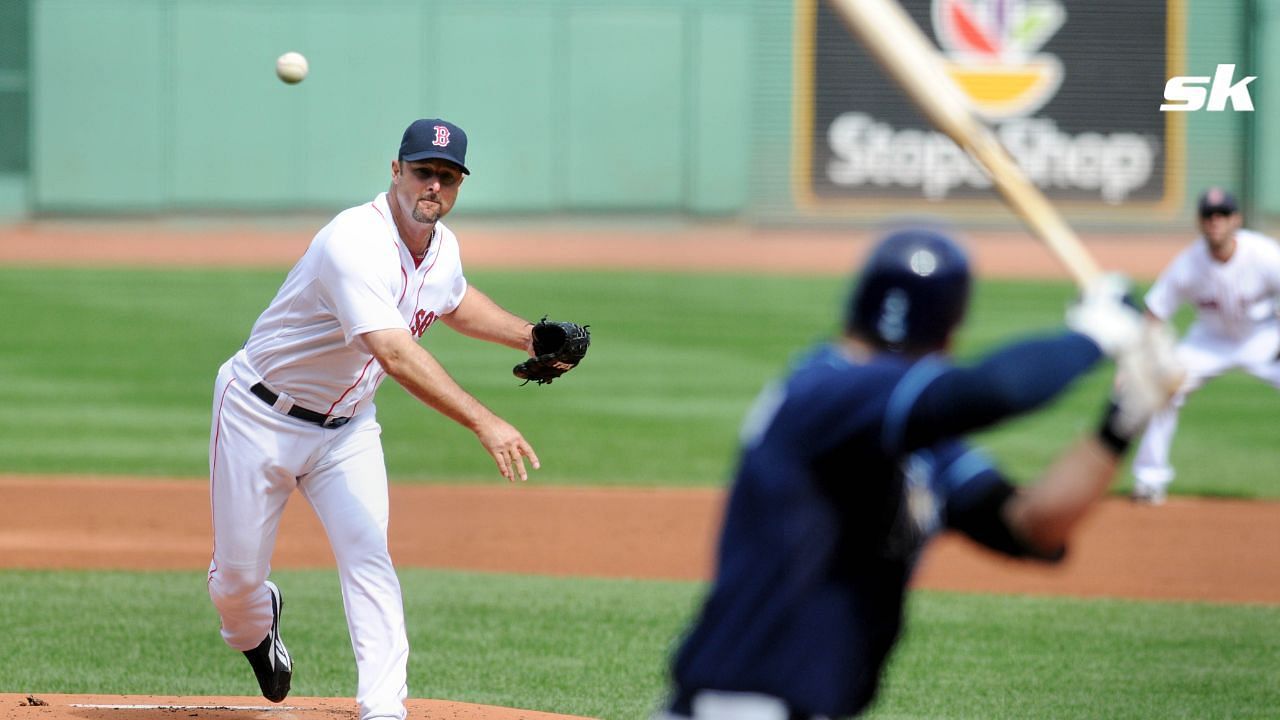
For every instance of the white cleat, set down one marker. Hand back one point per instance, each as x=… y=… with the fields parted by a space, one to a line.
x=1149 y=495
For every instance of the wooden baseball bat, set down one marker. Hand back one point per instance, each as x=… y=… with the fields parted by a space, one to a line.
x=907 y=55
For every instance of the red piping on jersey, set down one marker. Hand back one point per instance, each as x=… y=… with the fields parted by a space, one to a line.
x=424 y=272
x=213 y=474
x=418 y=263
x=352 y=387
x=417 y=297
x=404 y=274
x=377 y=377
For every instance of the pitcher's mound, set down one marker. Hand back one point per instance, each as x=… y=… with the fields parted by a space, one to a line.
x=151 y=707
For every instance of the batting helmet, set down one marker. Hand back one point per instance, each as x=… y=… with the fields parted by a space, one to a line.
x=912 y=292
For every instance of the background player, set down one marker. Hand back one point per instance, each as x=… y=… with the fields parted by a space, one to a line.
x=294 y=409
x=1232 y=278
x=851 y=463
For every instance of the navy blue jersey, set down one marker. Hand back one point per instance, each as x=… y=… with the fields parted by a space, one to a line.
x=846 y=469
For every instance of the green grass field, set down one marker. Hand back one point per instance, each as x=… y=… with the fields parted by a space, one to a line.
x=598 y=647
x=115 y=377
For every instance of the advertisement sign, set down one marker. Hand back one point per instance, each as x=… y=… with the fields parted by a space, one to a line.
x=1073 y=91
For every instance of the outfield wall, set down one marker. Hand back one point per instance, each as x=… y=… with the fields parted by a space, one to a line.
x=570 y=106
x=709 y=108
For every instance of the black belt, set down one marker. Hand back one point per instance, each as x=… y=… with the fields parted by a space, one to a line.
x=311 y=416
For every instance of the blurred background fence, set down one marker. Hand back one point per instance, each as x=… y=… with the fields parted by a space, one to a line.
x=763 y=111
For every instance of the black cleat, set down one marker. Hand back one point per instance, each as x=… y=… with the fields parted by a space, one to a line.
x=270 y=660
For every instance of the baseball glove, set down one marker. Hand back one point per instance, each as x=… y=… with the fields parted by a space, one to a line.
x=558 y=347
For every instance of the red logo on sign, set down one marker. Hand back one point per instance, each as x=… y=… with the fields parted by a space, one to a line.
x=442 y=136
x=421 y=321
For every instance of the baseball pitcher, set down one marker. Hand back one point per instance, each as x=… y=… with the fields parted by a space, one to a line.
x=293 y=409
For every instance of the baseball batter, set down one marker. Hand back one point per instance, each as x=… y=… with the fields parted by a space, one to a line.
x=854 y=460
x=1232 y=278
x=293 y=409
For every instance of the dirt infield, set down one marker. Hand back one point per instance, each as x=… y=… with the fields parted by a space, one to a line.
x=149 y=707
x=693 y=248
x=1212 y=550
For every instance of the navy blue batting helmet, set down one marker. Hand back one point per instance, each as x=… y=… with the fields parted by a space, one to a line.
x=912 y=292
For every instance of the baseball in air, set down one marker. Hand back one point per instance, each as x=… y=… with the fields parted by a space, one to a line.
x=291 y=67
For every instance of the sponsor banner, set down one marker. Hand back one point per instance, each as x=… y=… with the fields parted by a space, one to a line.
x=1072 y=89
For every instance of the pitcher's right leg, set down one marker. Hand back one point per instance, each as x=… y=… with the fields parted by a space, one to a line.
x=248 y=489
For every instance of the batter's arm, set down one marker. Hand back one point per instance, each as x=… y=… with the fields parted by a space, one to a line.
x=1012 y=380
x=426 y=379
x=480 y=317
x=1044 y=515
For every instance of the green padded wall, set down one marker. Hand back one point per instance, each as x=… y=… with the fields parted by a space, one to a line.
x=626 y=119
x=593 y=105
x=14 y=107
x=507 y=101
x=1266 y=177
x=100 y=105
x=1217 y=142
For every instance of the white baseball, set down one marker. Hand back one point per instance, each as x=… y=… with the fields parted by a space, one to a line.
x=291 y=67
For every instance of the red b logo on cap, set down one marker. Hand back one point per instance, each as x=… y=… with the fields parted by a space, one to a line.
x=442 y=136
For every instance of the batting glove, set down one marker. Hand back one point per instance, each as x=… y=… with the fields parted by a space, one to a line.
x=1107 y=314
x=1148 y=374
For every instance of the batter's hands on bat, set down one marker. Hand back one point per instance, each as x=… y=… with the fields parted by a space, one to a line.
x=1107 y=314
x=1148 y=374
x=508 y=448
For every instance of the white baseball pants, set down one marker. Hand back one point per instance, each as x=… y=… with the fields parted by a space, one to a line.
x=257 y=456
x=1204 y=356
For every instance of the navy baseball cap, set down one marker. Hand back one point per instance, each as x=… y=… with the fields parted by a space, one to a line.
x=1217 y=200
x=435 y=138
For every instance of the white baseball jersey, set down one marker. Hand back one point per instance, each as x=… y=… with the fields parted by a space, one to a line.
x=1231 y=298
x=356 y=277
x=1235 y=327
